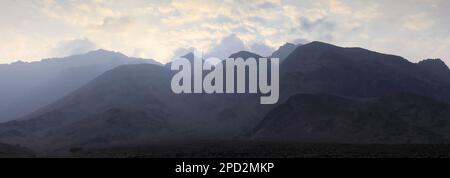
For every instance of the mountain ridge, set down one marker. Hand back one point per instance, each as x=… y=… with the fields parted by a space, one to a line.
x=348 y=76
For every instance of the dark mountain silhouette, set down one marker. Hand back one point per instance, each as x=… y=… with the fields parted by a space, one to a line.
x=436 y=68
x=435 y=65
x=132 y=103
x=394 y=119
x=323 y=68
x=28 y=86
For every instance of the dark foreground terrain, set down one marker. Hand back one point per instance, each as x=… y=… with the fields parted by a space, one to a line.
x=14 y=151
x=270 y=150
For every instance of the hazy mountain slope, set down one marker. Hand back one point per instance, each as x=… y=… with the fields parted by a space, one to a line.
x=127 y=86
x=228 y=114
x=284 y=51
x=134 y=90
x=399 y=118
x=29 y=86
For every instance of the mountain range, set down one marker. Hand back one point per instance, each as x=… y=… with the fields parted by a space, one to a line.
x=327 y=94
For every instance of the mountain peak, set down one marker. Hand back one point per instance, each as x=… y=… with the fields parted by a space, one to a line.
x=103 y=52
x=288 y=45
x=189 y=56
x=284 y=51
x=320 y=44
x=436 y=67
x=245 y=55
x=435 y=64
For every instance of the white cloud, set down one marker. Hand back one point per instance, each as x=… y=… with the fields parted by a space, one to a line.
x=228 y=45
x=261 y=49
x=442 y=51
x=338 y=7
x=300 y=41
x=78 y=13
x=418 y=22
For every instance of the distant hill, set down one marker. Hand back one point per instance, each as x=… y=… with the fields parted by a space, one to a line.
x=28 y=86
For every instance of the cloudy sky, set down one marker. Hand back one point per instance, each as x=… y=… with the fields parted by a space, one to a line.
x=34 y=29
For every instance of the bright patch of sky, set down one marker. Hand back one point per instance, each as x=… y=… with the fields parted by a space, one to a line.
x=35 y=29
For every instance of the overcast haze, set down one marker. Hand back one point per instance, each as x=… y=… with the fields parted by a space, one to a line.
x=35 y=29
